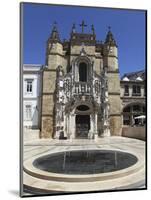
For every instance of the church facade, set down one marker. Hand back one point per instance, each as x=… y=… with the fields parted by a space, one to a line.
x=80 y=95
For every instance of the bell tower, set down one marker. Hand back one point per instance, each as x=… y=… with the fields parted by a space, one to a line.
x=110 y=61
x=53 y=60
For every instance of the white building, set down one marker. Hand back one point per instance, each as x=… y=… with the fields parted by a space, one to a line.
x=133 y=96
x=31 y=95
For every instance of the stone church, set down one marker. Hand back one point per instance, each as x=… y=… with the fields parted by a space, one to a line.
x=80 y=86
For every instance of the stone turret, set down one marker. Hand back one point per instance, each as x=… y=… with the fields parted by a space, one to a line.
x=110 y=39
x=110 y=61
x=110 y=52
x=54 y=48
x=53 y=60
x=54 y=34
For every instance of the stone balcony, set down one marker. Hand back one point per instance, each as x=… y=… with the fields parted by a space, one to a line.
x=82 y=88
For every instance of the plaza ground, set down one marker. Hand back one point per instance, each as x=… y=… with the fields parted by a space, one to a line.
x=38 y=180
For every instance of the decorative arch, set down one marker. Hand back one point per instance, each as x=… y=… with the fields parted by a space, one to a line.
x=82 y=69
x=132 y=110
x=133 y=103
x=83 y=108
x=85 y=59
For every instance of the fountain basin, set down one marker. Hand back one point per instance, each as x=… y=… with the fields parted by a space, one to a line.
x=37 y=167
x=45 y=181
x=85 y=162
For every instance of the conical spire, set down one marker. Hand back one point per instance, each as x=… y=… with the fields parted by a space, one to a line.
x=109 y=38
x=73 y=28
x=54 y=34
x=93 y=30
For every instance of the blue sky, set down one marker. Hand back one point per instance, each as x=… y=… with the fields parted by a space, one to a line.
x=127 y=26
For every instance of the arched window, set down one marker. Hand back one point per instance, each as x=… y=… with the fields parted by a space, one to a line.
x=83 y=72
x=130 y=114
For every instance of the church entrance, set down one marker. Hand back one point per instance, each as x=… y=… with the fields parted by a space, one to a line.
x=82 y=126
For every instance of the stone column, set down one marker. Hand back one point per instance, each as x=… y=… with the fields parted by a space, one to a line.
x=65 y=126
x=93 y=122
x=72 y=126
x=96 y=122
x=131 y=115
x=106 y=121
x=95 y=126
x=57 y=124
x=91 y=131
x=130 y=91
x=142 y=91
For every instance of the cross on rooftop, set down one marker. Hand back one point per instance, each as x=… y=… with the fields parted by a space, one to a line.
x=83 y=25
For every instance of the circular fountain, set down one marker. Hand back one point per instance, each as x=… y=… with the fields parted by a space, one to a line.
x=78 y=168
x=85 y=162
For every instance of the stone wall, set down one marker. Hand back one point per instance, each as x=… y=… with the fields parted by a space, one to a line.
x=113 y=83
x=47 y=127
x=47 y=113
x=30 y=134
x=134 y=132
x=49 y=79
x=90 y=50
x=114 y=103
x=115 y=125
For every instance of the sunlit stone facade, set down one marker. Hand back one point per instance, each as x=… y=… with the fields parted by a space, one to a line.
x=80 y=87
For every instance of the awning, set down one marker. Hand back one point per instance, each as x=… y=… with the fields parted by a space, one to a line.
x=140 y=117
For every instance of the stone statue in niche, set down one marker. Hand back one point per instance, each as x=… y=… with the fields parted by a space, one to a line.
x=60 y=70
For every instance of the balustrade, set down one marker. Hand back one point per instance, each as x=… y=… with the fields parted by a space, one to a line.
x=82 y=88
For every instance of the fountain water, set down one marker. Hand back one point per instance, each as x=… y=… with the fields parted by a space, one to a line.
x=85 y=161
